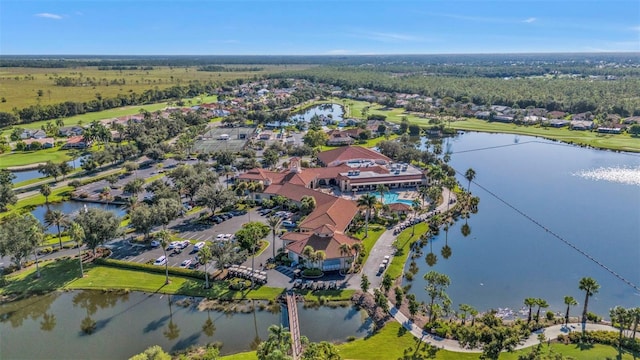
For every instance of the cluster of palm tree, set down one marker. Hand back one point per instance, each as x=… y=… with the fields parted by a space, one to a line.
x=367 y=201
x=314 y=257
x=540 y=303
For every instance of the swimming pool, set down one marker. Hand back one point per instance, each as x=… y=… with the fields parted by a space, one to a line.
x=392 y=197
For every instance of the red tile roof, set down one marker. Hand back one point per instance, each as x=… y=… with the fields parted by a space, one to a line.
x=346 y=153
x=338 y=214
x=329 y=244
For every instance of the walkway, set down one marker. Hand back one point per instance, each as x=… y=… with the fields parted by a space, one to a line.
x=551 y=333
x=294 y=325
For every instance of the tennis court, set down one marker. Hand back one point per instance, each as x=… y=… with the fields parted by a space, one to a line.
x=223 y=138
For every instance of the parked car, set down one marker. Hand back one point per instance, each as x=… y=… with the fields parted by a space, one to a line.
x=185 y=264
x=162 y=260
x=173 y=245
x=155 y=243
x=288 y=224
x=239 y=212
x=198 y=246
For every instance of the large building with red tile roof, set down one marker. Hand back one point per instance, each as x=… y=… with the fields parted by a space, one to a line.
x=350 y=168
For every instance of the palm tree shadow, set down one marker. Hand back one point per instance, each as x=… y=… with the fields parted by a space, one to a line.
x=186 y=342
x=584 y=346
x=156 y=324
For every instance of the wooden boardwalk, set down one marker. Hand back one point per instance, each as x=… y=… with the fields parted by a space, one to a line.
x=294 y=326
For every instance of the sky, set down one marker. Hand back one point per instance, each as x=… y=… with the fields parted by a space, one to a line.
x=316 y=27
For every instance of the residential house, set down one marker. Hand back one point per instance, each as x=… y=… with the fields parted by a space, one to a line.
x=339 y=138
x=581 y=125
x=46 y=143
x=39 y=134
x=76 y=142
x=71 y=131
x=265 y=135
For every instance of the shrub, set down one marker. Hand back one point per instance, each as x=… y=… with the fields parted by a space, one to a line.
x=312 y=272
x=593 y=317
x=550 y=315
x=75 y=183
x=239 y=284
x=46 y=250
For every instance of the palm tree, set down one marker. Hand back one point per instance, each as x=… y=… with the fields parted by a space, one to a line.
x=622 y=318
x=57 y=218
x=382 y=189
x=76 y=232
x=319 y=257
x=569 y=301
x=367 y=201
x=530 y=303
x=274 y=223
x=423 y=191
x=36 y=237
x=635 y=318
x=308 y=253
x=542 y=303
x=415 y=205
x=590 y=287
x=45 y=190
x=345 y=250
x=204 y=255
x=357 y=247
x=165 y=236
x=470 y=174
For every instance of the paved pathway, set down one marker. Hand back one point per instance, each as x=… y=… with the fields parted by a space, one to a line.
x=550 y=332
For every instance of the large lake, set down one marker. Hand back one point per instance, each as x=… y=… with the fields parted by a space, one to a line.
x=588 y=197
x=49 y=326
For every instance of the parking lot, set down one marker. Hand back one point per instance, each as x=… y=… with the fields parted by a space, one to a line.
x=183 y=229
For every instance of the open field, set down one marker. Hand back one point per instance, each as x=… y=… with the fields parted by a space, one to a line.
x=19 y=86
x=19 y=158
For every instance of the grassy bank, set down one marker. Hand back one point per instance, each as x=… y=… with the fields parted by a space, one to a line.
x=403 y=245
x=390 y=342
x=65 y=274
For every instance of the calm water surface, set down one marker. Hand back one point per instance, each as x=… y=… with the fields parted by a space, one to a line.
x=72 y=208
x=334 y=110
x=131 y=323
x=507 y=258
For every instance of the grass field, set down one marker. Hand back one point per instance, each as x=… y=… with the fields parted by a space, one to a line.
x=19 y=86
x=403 y=245
x=20 y=158
x=374 y=234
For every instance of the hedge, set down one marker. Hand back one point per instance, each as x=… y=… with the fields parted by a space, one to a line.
x=200 y=275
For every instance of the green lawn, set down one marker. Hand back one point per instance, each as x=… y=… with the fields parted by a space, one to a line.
x=21 y=158
x=403 y=245
x=54 y=275
x=328 y=295
x=374 y=234
x=249 y=355
x=104 y=277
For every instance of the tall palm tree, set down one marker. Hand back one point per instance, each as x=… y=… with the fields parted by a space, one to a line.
x=308 y=253
x=274 y=223
x=530 y=303
x=76 y=232
x=415 y=206
x=319 y=257
x=57 y=218
x=470 y=174
x=35 y=238
x=382 y=189
x=45 y=190
x=367 y=201
x=542 y=303
x=204 y=255
x=590 y=287
x=622 y=318
x=423 y=191
x=569 y=301
x=635 y=318
x=165 y=236
x=345 y=250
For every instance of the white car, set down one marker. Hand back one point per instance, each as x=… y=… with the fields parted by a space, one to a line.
x=173 y=245
x=162 y=260
x=288 y=223
x=183 y=244
x=185 y=264
x=198 y=246
x=155 y=243
x=220 y=237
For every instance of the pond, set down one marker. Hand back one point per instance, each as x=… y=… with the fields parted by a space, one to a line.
x=50 y=326
x=589 y=198
x=71 y=208
x=332 y=111
x=34 y=174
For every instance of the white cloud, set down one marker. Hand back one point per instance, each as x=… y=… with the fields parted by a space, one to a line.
x=387 y=36
x=635 y=28
x=49 y=16
x=530 y=20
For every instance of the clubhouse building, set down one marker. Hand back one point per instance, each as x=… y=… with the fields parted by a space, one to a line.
x=350 y=169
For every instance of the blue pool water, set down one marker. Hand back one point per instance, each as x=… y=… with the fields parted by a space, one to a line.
x=391 y=197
